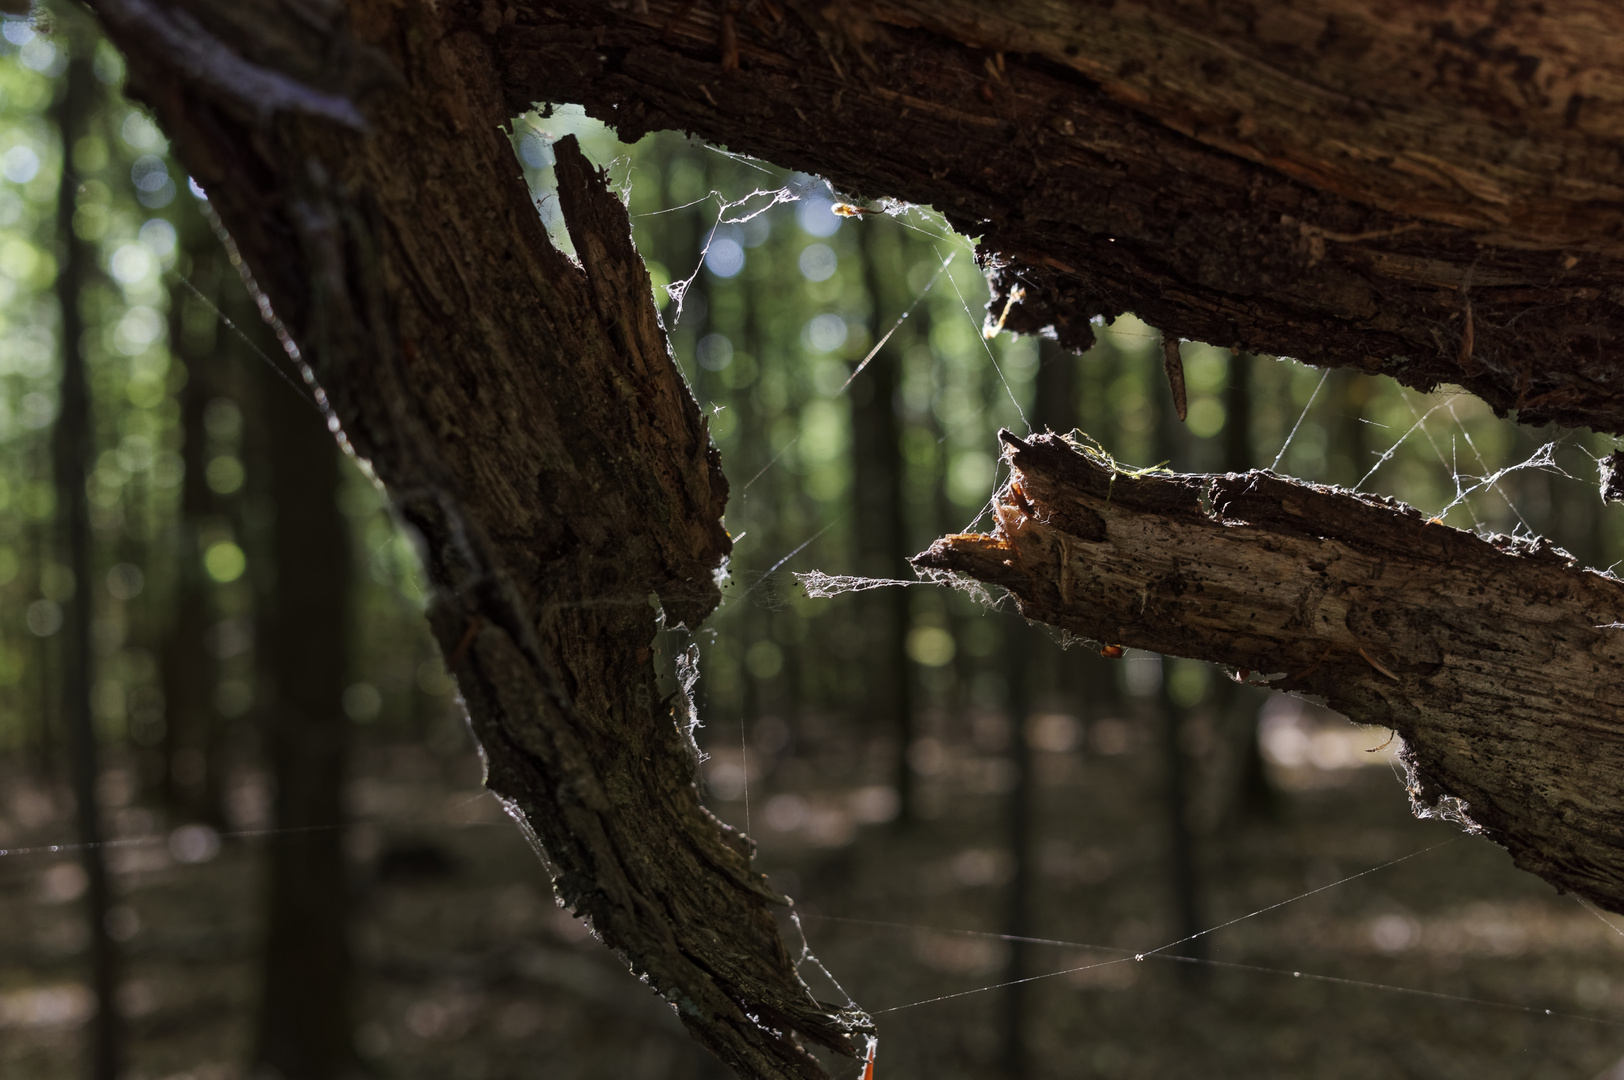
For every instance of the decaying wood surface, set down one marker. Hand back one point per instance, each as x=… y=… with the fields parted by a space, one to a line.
x=1497 y=661
x=531 y=426
x=1430 y=190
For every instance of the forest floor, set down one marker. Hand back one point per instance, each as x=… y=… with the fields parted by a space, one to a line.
x=470 y=972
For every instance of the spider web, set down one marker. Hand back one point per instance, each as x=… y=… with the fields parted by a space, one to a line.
x=1436 y=424
x=1467 y=486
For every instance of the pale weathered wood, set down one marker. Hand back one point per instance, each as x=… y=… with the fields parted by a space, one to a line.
x=1496 y=660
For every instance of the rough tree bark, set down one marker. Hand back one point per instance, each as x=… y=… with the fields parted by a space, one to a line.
x=1426 y=190
x=1497 y=661
x=1429 y=190
x=530 y=424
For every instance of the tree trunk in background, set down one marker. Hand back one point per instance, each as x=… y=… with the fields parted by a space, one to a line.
x=1381 y=186
x=753 y=447
x=74 y=453
x=1054 y=395
x=881 y=527
x=1184 y=877
x=1254 y=793
x=47 y=682
x=189 y=670
x=1030 y=658
x=1349 y=393
x=305 y=1010
x=1171 y=441
x=1020 y=642
x=1239 y=453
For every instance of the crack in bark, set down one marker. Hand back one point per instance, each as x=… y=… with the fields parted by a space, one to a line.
x=1496 y=659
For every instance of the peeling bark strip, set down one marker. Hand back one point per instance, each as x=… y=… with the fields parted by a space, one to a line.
x=1496 y=660
x=1315 y=178
x=531 y=425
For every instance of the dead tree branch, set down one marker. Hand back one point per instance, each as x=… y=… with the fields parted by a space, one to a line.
x=530 y=424
x=1321 y=180
x=1497 y=660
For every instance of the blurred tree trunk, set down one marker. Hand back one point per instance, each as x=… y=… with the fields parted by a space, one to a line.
x=1030 y=659
x=881 y=526
x=1239 y=451
x=74 y=453
x=1183 y=877
x=47 y=682
x=305 y=1008
x=188 y=665
x=754 y=446
x=1171 y=441
x=1349 y=394
x=1254 y=793
x=1020 y=642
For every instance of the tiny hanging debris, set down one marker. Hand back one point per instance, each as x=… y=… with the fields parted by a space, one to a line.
x=992 y=330
x=1173 y=363
x=1611 y=469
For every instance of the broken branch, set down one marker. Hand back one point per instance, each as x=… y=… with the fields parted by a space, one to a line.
x=1494 y=658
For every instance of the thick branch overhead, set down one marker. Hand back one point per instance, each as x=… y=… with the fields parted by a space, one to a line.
x=1498 y=662
x=1426 y=191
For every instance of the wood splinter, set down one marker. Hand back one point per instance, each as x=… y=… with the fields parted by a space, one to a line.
x=1371 y=660
x=1261 y=573
x=1173 y=364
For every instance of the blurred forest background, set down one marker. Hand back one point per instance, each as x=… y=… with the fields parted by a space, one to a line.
x=238 y=798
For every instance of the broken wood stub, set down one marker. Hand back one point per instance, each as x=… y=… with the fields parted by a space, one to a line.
x=1497 y=660
x=1612 y=477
